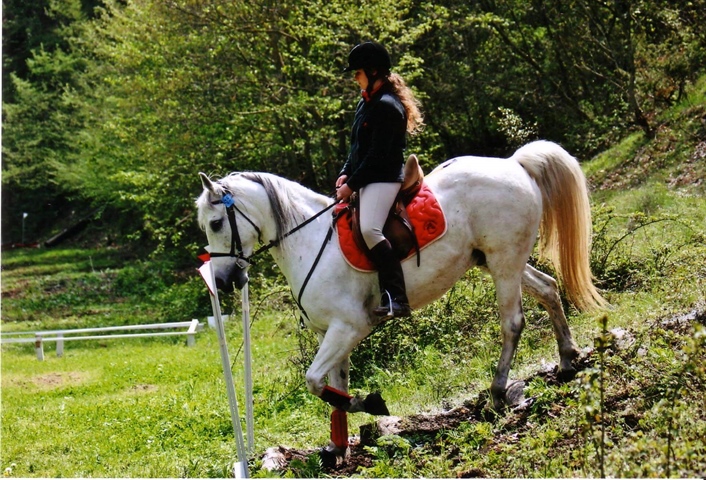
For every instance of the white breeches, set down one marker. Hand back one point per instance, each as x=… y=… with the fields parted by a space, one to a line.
x=375 y=202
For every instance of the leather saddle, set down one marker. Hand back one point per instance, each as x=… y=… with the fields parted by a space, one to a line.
x=398 y=229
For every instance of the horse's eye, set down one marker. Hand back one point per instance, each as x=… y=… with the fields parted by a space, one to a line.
x=216 y=225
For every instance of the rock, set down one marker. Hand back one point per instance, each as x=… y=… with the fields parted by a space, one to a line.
x=515 y=393
x=384 y=426
x=274 y=459
x=622 y=338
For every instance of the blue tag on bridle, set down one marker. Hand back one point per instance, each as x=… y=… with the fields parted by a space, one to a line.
x=228 y=200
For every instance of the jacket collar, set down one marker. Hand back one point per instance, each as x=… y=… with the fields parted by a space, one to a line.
x=369 y=96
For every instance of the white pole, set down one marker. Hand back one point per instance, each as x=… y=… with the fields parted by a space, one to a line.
x=249 y=416
x=241 y=468
x=24 y=215
x=39 y=347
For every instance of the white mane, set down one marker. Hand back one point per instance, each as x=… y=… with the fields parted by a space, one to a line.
x=290 y=202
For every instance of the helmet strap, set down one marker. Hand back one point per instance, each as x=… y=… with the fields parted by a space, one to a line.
x=373 y=76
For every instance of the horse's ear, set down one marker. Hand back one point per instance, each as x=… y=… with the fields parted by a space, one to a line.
x=207 y=183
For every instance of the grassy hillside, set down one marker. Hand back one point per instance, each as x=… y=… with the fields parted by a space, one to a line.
x=155 y=408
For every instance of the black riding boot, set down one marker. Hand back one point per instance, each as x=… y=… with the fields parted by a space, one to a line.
x=394 y=301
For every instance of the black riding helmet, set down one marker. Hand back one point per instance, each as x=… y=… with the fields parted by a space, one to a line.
x=369 y=56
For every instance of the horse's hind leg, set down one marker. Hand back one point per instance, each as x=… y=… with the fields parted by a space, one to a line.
x=544 y=288
x=512 y=321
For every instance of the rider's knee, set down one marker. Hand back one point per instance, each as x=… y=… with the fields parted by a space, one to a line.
x=372 y=236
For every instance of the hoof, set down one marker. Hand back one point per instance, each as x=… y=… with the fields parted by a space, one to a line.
x=500 y=401
x=372 y=404
x=491 y=408
x=330 y=456
x=566 y=375
x=375 y=405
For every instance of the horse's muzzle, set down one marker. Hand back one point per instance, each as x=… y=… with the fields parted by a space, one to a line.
x=236 y=277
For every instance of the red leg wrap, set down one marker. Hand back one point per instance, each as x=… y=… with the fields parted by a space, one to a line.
x=339 y=428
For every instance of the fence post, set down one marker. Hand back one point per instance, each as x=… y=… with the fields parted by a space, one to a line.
x=191 y=333
x=60 y=345
x=39 y=347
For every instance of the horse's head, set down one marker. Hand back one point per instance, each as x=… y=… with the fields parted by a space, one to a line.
x=230 y=237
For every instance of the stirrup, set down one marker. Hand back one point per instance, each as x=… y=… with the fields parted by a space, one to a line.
x=390 y=313
x=403 y=309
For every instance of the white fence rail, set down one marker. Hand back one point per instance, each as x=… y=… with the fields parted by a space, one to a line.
x=61 y=336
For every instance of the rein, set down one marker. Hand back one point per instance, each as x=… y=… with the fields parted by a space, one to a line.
x=236 y=246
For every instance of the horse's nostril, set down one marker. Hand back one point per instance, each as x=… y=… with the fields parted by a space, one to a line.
x=226 y=287
x=241 y=280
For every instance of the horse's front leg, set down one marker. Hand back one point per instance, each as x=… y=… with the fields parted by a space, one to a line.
x=338 y=375
x=332 y=358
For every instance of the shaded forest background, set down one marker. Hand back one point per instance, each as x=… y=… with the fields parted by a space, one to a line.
x=110 y=108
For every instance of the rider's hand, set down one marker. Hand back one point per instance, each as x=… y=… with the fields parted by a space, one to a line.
x=341 y=180
x=343 y=192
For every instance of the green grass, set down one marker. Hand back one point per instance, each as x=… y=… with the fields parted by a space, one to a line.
x=154 y=407
x=122 y=410
x=145 y=408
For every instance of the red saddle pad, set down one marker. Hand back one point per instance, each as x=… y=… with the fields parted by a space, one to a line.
x=425 y=215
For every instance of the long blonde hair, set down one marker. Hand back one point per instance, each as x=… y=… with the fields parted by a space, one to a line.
x=415 y=119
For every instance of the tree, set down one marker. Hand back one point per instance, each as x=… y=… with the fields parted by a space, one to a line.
x=129 y=103
x=593 y=59
x=183 y=86
x=39 y=121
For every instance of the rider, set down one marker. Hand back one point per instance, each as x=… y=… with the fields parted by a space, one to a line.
x=374 y=166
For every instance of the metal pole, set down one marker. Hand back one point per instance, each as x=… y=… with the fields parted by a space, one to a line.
x=249 y=416
x=241 y=468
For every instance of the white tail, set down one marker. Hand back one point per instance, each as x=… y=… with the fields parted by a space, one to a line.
x=565 y=231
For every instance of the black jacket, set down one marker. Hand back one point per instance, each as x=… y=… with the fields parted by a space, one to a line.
x=377 y=141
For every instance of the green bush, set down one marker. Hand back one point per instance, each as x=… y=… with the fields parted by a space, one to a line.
x=183 y=301
x=142 y=279
x=633 y=251
x=459 y=324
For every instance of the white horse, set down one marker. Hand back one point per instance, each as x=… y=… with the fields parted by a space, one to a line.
x=494 y=210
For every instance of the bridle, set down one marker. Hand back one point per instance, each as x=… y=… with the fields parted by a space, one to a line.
x=236 y=245
x=243 y=261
